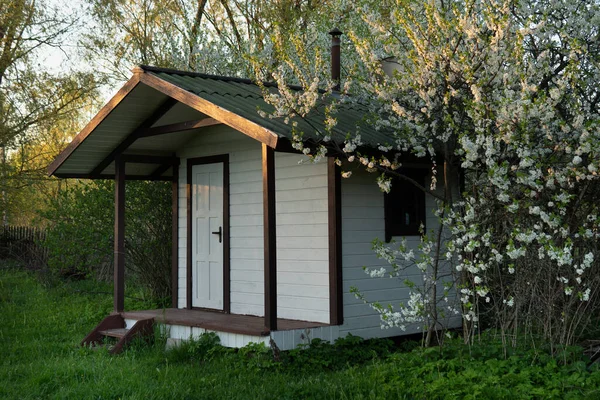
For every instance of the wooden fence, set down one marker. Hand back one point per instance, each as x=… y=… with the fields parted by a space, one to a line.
x=23 y=243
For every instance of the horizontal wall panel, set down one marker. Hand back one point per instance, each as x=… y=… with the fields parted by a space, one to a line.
x=302 y=239
x=363 y=221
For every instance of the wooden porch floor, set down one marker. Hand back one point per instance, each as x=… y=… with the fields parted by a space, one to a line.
x=233 y=323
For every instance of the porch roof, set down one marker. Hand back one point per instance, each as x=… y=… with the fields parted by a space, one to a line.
x=159 y=110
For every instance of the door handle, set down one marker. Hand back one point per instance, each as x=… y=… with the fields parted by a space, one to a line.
x=220 y=233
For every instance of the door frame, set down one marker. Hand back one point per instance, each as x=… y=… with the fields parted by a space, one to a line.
x=222 y=158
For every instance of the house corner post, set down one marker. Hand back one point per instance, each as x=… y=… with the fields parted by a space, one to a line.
x=270 y=249
x=334 y=212
x=119 y=246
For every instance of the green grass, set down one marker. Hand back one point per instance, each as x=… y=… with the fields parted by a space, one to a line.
x=41 y=326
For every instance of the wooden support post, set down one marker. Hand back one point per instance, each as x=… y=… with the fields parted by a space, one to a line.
x=175 y=235
x=270 y=255
x=334 y=209
x=119 y=272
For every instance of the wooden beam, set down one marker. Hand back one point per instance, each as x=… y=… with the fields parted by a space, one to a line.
x=189 y=243
x=270 y=242
x=334 y=212
x=148 y=159
x=119 y=267
x=157 y=173
x=89 y=128
x=133 y=136
x=226 y=239
x=109 y=176
x=179 y=127
x=175 y=235
x=229 y=118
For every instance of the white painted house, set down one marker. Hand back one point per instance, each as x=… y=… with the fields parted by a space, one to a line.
x=264 y=247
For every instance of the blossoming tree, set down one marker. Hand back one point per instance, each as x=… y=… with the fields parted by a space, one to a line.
x=501 y=95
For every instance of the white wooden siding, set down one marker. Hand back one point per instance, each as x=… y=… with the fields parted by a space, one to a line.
x=246 y=221
x=227 y=339
x=302 y=239
x=363 y=221
x=285 y=340
x=302 y=231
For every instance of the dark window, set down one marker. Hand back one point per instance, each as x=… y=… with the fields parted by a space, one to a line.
x=405 y=206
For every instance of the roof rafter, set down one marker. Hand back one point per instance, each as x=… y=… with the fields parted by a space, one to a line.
x=135 y=135
x=157 y=173
x=229 y=118
x=179 y=127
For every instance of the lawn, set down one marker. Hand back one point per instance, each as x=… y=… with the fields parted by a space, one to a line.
x=42 y=324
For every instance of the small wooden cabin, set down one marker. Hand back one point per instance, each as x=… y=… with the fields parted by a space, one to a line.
x=264 y=247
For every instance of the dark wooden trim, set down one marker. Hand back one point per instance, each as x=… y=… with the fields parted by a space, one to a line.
x=180 y=127
x=334 y=212
x=109 y=176
x=270 y=237
x=226 y=239
x=208 y=159
x=212 y=310
x=142 y=328
x=133 y=136
x=222 y=158
x=113 y=321
x=229 y=118
x=175 y=235
x=119 y=267
x=165 y=162
x=217 y=321
x=158 y=172
x=284 y=145
x=148 y=159
x=188 y=253
x=89 y=128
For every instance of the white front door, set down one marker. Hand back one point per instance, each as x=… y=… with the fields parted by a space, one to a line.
x=207 y=236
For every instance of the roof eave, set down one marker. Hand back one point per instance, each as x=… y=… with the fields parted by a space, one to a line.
x=204 y=106
x=89 y=128
x=190 y=99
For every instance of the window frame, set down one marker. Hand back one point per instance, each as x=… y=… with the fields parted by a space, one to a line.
x=402 y=188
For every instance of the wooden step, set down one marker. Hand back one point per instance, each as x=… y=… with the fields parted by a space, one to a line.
x=116 y=333
x=114 y=326
x=114 y=321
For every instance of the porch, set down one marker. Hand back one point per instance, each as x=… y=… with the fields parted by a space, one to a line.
x=160 y=128
x=233 y=330
x=217 y=321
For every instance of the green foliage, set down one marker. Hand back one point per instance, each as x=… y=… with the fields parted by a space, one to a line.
x=202 y=349
x=40 y=357
x=148 y=231
x=80 y=233
x=80 y=236
x=344 y=352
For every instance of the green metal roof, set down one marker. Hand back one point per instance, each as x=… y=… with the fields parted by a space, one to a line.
x=245 y=98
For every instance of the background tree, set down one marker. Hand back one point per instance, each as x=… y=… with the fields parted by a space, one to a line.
x=33 y=99
x=213 y=37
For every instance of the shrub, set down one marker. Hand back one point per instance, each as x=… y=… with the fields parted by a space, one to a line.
x=81 y=231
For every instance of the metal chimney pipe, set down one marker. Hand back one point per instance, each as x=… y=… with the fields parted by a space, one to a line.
x=335 y=57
